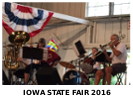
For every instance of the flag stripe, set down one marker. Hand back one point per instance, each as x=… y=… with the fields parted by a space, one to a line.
x=24 y=9
x=7 y=28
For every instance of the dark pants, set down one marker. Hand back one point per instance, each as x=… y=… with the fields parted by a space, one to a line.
x=118 y=68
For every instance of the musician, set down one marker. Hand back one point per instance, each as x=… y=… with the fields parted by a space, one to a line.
x=50 y=59
x=94 y=54
x=48 y=75
x=118 y=60
x=95 y=65
x=36 y=64
x=91 y=60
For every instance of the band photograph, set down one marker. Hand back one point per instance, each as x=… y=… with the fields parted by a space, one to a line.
x=66 y=43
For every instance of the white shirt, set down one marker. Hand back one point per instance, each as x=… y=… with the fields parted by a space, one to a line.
x=122 y=57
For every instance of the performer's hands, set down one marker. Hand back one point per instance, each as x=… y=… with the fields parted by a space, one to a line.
x=102 y=48
x=111 y=45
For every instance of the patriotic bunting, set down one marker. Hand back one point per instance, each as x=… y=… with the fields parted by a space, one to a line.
x=21 y=18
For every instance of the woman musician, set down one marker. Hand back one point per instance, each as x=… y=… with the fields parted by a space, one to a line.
x=93 y=65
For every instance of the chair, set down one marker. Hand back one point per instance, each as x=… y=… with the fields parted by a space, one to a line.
x=119 y=78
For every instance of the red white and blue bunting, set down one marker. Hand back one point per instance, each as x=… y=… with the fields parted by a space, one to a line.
x=21 y=18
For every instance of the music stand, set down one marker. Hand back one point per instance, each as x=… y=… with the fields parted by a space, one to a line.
x=32 y=53
x=80 y=50
x=101 y=58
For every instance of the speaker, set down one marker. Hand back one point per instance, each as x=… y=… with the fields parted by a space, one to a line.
x=79 y=48
x=48 y=76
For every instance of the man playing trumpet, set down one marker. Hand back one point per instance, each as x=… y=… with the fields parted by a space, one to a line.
x=117 y=58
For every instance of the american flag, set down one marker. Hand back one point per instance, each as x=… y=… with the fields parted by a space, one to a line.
x=17 y=17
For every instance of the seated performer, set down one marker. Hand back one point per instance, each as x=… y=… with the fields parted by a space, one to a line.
x=90 y=65
x=94 y=65
x=36 y=65
x=118 y=60
x=48 y=75
x=49 y=60
x=94 y=54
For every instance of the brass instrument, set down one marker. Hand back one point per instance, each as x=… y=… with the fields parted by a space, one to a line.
x=10 y=58
x=17 y=39
x=121 y=36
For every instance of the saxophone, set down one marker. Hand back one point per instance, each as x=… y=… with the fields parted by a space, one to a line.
x=17 y=39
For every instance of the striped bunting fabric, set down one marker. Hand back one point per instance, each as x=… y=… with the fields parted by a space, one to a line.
x=16 y=17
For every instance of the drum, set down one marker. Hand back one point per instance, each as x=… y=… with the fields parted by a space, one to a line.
x=87 y=68
x=73 y=77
